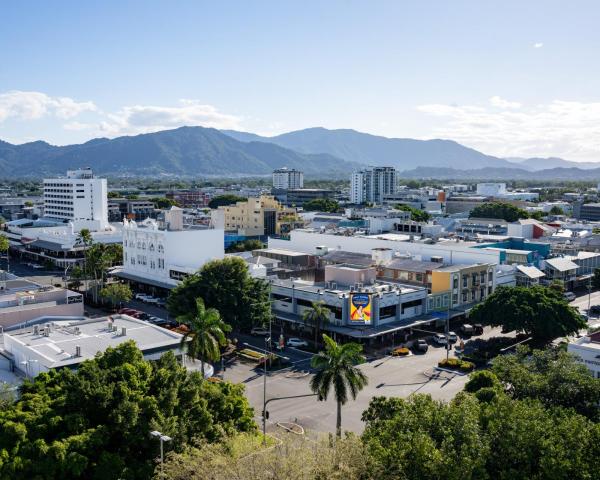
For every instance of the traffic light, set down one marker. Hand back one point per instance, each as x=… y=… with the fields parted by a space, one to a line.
x=265 y=414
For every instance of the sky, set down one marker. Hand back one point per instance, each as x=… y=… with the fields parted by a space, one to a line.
x=510 y=78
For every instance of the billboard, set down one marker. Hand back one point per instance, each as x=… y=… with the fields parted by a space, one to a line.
x=360 y=308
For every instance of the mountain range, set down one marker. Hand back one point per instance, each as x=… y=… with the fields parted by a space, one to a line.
x=319 y=152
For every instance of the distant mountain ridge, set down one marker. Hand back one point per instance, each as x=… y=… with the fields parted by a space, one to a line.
x=187 y=151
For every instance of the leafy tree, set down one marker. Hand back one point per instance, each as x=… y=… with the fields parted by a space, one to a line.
x=206 y=334
x=132 y=196
x=226 y=285
x=4 y=246
x=336 y=367
x=552 y=376
x=321 y=205
x=224 y=200
x=556 y=210
x=537 y=215
x=163 y=202
x=245 y=246
x=416 y=214
x=84 y=238
x=116 y=293
x=28 y=203
x=113 y=194
x=501 y=210
x=93 y=423
x=316 y=316
x=540 y=312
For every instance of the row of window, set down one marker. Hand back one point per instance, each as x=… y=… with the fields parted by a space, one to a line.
x=475 y=278
x=143 y=260
x=142 y=245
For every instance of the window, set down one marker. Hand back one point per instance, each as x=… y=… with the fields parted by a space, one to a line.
x=387 y=312
x=464 y=296
x=132 y=260
x=151 y=247
x=490 y=276
x=160 y=248
x=465 y=280
x=161 y=263
x=482 y=277
x=143 y=245
x=152 y=264
x=455 y=283
x=412 y=304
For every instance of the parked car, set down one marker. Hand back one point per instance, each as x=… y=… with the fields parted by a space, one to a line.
x=161 y=302
x=259 y=332
x=161 y=322
x=477 y=329
x=140 y=296
x=440 y=339
x=452 y=337
x=594 y=310
x=127 y=311
x=467 y=329
x=296 y=342
x=569 y=296
x=420 y=345
x=151 y=300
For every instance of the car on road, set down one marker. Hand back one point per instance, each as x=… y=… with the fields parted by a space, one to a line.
x=420 y=345
x=440 y=339
x=296 y=342
x=37 y=267
x=151 y=300
x=140 y=296
x=452 y=337
x=569 y=296
x=259 y=332
x=594 y=310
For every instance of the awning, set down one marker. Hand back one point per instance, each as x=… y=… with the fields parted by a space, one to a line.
x=144 y=280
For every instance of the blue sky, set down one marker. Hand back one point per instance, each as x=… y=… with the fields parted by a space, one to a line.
x=511 y=78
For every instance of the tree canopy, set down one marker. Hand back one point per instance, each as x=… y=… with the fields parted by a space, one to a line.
x=94 y=423
x=500 y=210
x=224 y=200
x=163 y=202
x=416 y=214
x=226 y=285
x=321 y=205
x=541 y=312
x=245 y=246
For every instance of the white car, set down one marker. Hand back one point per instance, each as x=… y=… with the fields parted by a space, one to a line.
x=151 y=300
x=296 y=342
x=569 y=296
x=141 y=296
x=440 y=339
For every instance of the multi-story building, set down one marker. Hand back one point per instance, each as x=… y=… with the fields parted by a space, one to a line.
x=586 y=211
x=80 y=197
x=256 y=217
x=137 y=209
x=159 y=253
x=190 y=198
x=288 y=179
x=587 y=351
x=372 y=184
x=467 y=283
x=298 y=197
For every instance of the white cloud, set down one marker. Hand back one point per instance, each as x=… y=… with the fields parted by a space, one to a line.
x=560 y=128
x=538 y=45
x=499 y=102
x=35 y=105
x=147 y=118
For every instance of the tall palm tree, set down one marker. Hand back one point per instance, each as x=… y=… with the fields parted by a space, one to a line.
x=336 y=366
x=317 y=316
x=84 y=237
x=206 y=333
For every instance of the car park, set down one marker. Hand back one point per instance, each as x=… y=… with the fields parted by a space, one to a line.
x=259 y=332
x=296 y=342
x=420 y=345
x=440 y=339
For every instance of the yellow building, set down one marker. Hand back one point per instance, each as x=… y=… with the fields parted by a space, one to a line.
x=257 y=216
x=466 y=283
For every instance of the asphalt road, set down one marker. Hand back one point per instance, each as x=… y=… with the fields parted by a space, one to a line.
x=390 y=376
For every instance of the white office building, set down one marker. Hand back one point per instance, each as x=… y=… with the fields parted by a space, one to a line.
x=288 y=179
x=372 y=184
x=161 y=253
x=491 y=189
x=79 y=198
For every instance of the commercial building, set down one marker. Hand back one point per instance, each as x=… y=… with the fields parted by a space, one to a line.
x=372 y=184
x=65 y=343
x=256 y=217
x=561 y=270
x=587 y=351
x=360 y=306
x=22 y=301
x=157 y=254
x=137 y=209
x=190 y=198
x=80 y=197
x=527 y=276
x=288 y=179
x=587 y=211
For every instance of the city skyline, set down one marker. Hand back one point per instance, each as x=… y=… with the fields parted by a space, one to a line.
x=512 y=81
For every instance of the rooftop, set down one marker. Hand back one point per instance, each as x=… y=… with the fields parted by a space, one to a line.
x=562 y=264
x=92 y=336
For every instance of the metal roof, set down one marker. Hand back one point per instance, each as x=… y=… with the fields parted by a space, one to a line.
x=562 y=264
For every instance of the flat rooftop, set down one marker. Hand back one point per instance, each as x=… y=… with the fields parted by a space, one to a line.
x=281 y=251
x=92 y=336
x=318 y=287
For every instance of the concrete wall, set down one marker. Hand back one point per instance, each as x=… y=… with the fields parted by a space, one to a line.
x=11 y=316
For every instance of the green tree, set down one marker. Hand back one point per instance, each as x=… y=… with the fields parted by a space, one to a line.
x=226 y=285
x=206 y=334
x=93 y=423
x=84 y=238
x=316 y=316
x=4 y=247
x=540 y=312
x=321 y=205
x=500 y=210
x=416 y=214
x=113 y=194
x=552 y=376
x=224 y=200
x=245 y=246
x=336 y=367
x=556 y=210
x=163 y=202
x=116 y=293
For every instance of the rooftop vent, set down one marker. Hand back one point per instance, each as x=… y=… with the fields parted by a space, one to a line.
x=123 y=331
x=78 y=350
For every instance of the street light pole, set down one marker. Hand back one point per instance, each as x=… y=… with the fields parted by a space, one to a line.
x=162 y=438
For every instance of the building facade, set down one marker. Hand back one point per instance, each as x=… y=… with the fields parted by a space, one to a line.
x=80 y=197
x=372 y=184
x=288 y=179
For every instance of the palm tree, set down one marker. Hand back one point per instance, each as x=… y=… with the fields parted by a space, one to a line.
x=317 y=316
x=206 y=333
x=336 y=366
x=84 y=237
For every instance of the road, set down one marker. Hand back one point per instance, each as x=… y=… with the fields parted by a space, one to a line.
x=390 y=376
